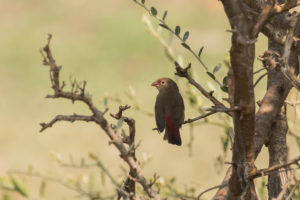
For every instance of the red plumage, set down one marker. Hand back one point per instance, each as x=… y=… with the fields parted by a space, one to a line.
x=172 y=130
x=169 y=109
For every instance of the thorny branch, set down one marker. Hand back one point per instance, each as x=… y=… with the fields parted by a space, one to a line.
x=97 y=117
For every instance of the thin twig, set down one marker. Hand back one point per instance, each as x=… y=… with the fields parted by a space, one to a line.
x=69 y=118
x=129 y=185
x=266 y=171
x=270 y=10
x=184 y=73
x=292 y=103
x=97 y=117
x=258 y=70
x=198 y=118
x=212 y=188
x=73 y=187
x=259 y=79
x=163 y=23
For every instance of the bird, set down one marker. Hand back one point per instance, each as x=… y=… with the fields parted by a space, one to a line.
x=169 y=109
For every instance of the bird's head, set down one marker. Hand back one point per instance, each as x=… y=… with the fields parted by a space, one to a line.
x=164 y=83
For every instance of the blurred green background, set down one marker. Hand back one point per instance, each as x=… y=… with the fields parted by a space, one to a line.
x=106 y=43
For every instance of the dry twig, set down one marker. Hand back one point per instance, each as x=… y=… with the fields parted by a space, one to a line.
x=263 y=172
x=97 y=117
x=183 y=72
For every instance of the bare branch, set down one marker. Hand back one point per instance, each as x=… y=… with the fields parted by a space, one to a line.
x=222 y=192
x=291 y=103
x=259 y=79
x=129 y=185
x=69 y=118
x=271 y=8
x=293 y=190
x=198 y=118
x=97 y=117
x=263 y=172
x=212 y=188
x=265 y=14
x=184 y=73
x=285 y=69
x=67 y=184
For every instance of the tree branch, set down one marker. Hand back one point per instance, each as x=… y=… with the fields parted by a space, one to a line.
x=129 y=185
x=78 y=94
x=184 y=73
x=266 y=171
x=70 y=118
x=198 y=118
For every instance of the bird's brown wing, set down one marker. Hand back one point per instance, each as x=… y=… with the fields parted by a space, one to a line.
x=178 y=109
x=160 y=114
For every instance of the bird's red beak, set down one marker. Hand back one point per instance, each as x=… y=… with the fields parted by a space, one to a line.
x=155 y=84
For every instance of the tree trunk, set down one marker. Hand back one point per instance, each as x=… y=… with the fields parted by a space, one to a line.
x=241 y=95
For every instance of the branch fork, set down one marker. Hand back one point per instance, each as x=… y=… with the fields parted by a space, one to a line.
x=77 y=93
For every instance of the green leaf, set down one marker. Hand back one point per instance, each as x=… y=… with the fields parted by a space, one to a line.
x=19 y=185
x=177 y=30
x=164 y=26
x=225 y=81
x=123 y=133
x=6 y=182
x=200 y=51
x=30 y=168
x=226 y=60
x=224 y=88
x=185 y=36
x=5 y=197
x=193 y=99
x=92 y=183
x=185 y=46
x=103 y=179
x=298 y=143
x=211 y=75
x=42 y=189
x=165 y=15
x=82 y=162
x=131 y=147
x=105 y=102
x=225 y=141
x=173 y=180
x=143 y=1
x=153 y=11
x=120 y=123
x=217 y=68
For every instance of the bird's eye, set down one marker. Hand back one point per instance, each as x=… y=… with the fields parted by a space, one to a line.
x=162 y=82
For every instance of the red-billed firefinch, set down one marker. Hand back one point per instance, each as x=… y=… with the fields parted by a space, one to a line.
x=169 y=109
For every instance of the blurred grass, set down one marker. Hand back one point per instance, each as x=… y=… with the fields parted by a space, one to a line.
x=105 y=43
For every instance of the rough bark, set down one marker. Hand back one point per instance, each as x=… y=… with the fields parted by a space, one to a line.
x=278 y=154
x=277 y=90
x=277 y=135
x=242 y=57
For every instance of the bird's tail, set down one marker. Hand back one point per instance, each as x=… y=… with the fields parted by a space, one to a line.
x=172 y=132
